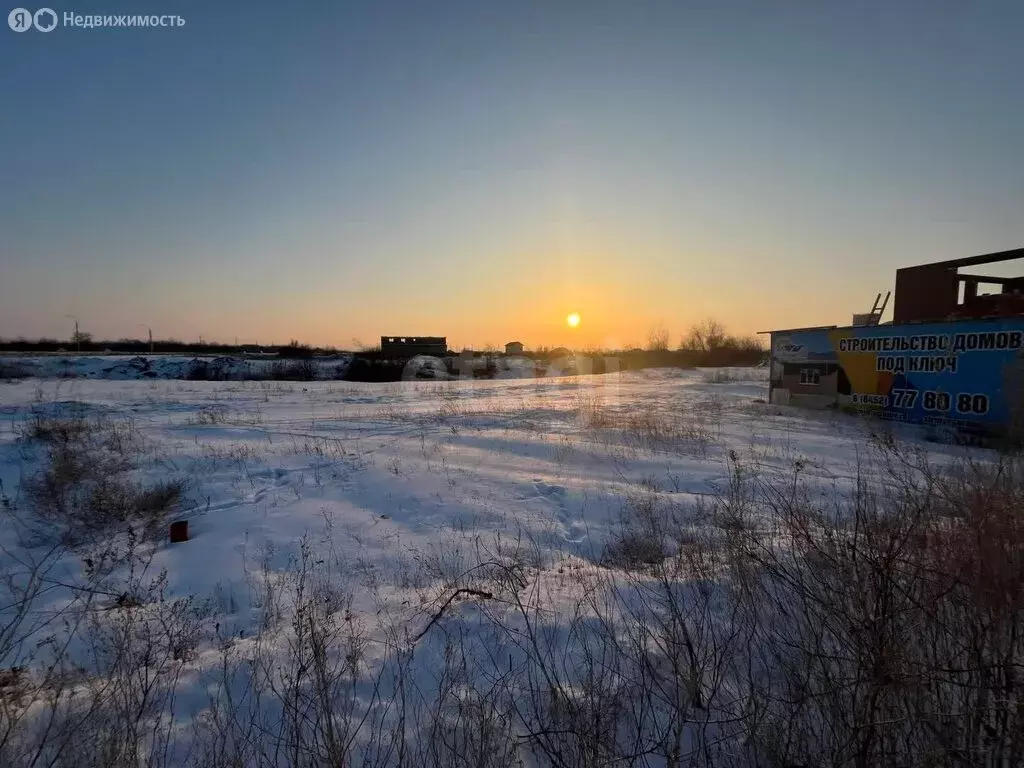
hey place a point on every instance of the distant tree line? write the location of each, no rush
(713, 346)
(84, 342)
(706, 344)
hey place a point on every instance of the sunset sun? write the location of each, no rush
(573, 319)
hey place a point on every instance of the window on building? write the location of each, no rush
(810, 376)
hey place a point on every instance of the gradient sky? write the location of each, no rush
(337, 170)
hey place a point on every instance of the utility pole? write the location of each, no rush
(150, 337)
(78, 339)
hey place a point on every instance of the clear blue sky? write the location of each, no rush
(331, 170)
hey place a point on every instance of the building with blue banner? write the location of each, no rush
(953, 357)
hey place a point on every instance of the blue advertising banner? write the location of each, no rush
(965, 374)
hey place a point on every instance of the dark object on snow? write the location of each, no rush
(179, 531)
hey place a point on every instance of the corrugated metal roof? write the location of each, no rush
(809, 328)
(890, 324)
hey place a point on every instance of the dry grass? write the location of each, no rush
(735, 376)
(84, 486)
(11, 371)
(684, 430)
(767, 625)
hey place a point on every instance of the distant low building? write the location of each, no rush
(410, 346)
(514, 348)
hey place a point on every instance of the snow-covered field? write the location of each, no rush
(412, 461)
(384, 501)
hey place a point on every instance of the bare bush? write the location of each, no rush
(883, 629)
(467, 724)
(888, 630)
(657, 338)
(705, 336)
